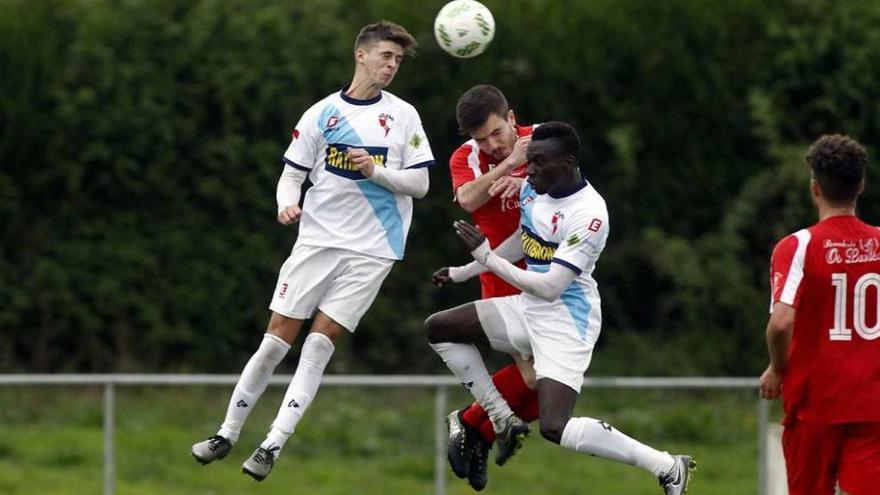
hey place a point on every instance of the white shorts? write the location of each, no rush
(561, 352)
(340, 283)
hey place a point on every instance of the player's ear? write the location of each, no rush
(815, 190)
(511, 117)
(359, 54)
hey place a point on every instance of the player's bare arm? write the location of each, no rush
(779, 330)
(474, 194)
(506, 187)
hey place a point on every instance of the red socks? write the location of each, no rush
(522, 400)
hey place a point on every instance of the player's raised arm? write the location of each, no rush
(410, 182)
(548, 285)
(412, 178)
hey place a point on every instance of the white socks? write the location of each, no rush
(466, 364)
(251, 384)
(595, 437)
(316, 353)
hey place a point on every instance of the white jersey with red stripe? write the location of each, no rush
(343, 209)
(830, 274)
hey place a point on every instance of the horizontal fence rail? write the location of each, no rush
(441, 383)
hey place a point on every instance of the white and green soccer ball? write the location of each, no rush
(464, 28)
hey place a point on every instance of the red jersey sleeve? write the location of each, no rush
(787, 269)
(460, 167)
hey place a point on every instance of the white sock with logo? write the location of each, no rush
(467, 365)
(252, 383)
(316, 353)
(595, 437)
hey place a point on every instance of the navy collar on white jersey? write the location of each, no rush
(569, 192)
(355, 101)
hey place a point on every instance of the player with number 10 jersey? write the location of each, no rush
(824, 333)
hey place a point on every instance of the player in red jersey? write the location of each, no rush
(823, 333)
(487, 172)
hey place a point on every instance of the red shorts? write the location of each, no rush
(492, 285)
(818, 456)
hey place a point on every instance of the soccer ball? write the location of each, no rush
(464, 28)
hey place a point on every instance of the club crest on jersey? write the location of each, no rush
(384, 120)
(777, 282)
(537, 250)
(336, 160)
(554, 221)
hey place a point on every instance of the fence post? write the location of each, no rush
(109, 416)
(763, 424)
(440, 440)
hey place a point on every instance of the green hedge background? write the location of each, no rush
(141, 142)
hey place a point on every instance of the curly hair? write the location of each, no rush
(838, 164)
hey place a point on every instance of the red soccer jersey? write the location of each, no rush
(497, 219)
(830, 274)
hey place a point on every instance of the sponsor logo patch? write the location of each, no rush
(537, 250)
(337, 161)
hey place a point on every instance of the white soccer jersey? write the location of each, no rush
(343, 209)
(570, 230)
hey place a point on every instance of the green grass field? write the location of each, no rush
(352, 441)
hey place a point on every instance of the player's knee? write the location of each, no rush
(434, 327)
(552, 430)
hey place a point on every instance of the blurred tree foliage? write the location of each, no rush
(141, 139)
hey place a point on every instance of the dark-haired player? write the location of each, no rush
(823, 333)
(487, 172)
(556, 319)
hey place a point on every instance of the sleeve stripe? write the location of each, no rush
(293, 164)
(567, 265)
(429, 163)
(474, 159)
(796, 271)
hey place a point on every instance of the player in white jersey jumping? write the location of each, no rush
(367, 155)
(556, 319)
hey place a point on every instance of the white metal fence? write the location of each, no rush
(440, 384)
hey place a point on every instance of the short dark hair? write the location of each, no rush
(838, 164)
(386, 31)
(477, 104)
(565, 133)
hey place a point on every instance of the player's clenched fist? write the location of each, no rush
(362, 161)
(771, 384)
(518, 154)
(441, 277)
(289, 215)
